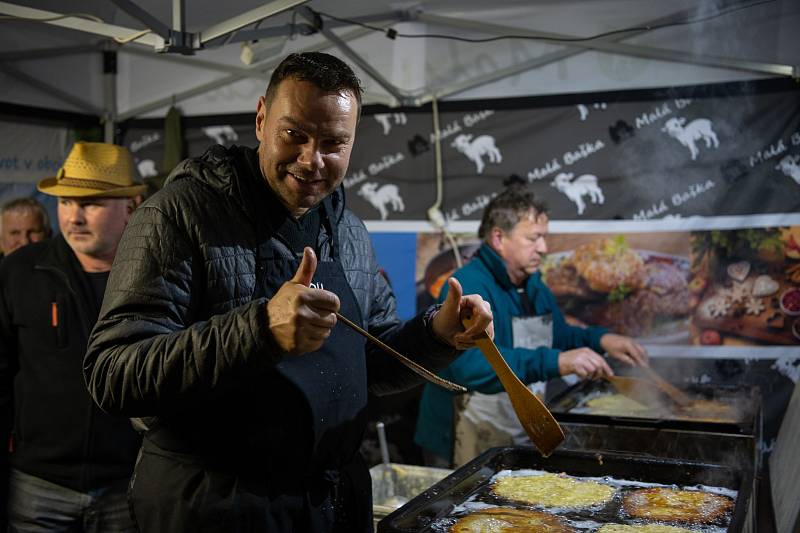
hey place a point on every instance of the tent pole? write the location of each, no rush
(110, 95)
(178, 15)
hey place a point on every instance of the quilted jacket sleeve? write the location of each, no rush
(413, 338)
(148, 354)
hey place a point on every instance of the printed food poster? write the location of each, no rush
(635, 284)
(745, 286)
(720, 287)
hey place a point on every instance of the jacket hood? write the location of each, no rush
(219, 167)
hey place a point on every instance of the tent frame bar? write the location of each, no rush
(50, 90)
(233, 24)
(82, 24)
(155, 25)
(647, 52)
(256, 70)
(540, 61)
(342, 45)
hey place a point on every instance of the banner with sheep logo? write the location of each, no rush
(680, 152)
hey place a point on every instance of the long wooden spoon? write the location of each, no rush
(416, 367)
(536, 419)
(675, 394)
(638, 389)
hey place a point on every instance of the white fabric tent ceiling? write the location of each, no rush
(44, 65)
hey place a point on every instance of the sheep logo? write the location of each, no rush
(386, 120)
(475, 150)
(698, 129)
(380, 198)
(221, 134)
(577, 189)
(147, 168)
(790, 166)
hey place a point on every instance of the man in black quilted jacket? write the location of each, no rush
(218, 326)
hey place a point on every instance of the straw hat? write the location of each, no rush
(94, 170)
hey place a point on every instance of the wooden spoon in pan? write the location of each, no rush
(536, 419)
(638, 389)
(675, 394)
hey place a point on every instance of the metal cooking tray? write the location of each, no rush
(440, 500)
(746, 399)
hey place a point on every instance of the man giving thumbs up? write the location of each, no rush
(218, 326)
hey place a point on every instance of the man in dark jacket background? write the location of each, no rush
(70, 462)
(218, 325)
(23, 221)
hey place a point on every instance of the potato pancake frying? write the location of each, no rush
(616, 404)
(502, 519)
(552, 490)
(676, 505)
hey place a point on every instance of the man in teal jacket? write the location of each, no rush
(530, 332)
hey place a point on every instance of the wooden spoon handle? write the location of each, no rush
(416, 367)
(675, 394)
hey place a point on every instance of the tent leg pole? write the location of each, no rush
(110, 95)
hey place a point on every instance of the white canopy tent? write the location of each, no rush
(51, 51)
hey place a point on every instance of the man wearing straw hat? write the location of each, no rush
(70, 462)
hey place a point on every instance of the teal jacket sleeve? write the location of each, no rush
(472, 370)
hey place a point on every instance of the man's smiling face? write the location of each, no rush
(305, 138)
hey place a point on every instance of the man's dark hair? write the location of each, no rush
(327, 72)
(29, 205)
(509, 207)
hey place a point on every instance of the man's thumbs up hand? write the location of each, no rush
(448, 321)
(305, 272)
(301, 318)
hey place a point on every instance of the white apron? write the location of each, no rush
(486, 420)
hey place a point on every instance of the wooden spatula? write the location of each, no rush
(536, 419)
(675, 394)
(638, 389)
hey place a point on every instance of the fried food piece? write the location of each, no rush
(606, 264)
(552, 490)
(502, 519)
(642, 528)
(617, 405)
(666, 504)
